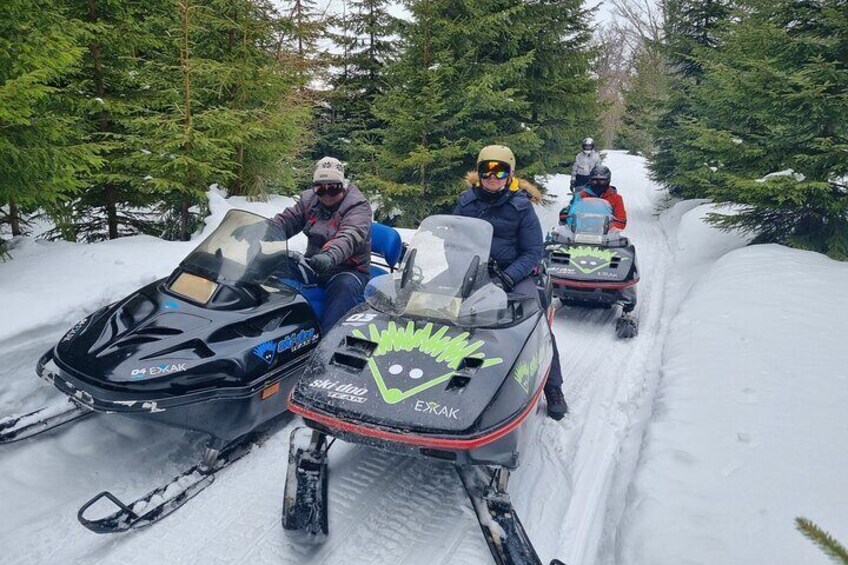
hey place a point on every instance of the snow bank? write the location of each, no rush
(57, 283)
(749, 421)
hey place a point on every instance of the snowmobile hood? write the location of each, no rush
(591, 263)
(155, 341)
(419, 376)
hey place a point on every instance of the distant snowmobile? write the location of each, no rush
(215, 347)
(592, 265)
(439, 363)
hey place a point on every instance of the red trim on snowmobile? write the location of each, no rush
(586, 284)
(419, 440)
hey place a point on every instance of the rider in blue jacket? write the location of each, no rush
(506, 202)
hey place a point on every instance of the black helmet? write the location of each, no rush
(599, 179)
(588, 144)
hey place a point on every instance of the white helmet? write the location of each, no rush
(588, 144)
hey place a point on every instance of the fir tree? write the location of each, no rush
(558, 84)
(110, 92)
(689, 25)
(644, 101)
(471, 74)
(773, 99)
(184, 141)
(40, 136)
(347, 127)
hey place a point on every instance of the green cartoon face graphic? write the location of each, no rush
(589, 259)
(440, 349)
(524, 370)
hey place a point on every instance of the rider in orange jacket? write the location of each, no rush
(599, 187)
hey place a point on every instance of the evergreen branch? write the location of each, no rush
(832, 548)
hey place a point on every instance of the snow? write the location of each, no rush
(786, 173)
(698, 441)
(746, 426)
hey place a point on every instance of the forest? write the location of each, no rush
(117, 116)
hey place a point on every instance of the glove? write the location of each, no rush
(572, 185)
(321, 263)
(508, 283)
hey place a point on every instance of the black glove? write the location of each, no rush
(321, 263)
(508, 283)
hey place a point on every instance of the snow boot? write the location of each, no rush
(557, 407)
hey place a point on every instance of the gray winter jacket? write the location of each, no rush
(344, 231)
(583, 164)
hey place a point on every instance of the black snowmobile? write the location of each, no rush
(440, 363)
(593, 266)
(215, 347)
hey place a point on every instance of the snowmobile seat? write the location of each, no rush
(386, 244)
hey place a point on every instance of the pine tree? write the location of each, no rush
(43, 154)
(559, 88)
(689, 25)
(184, 141)
(773, 99)
(644, 101)
(348, 128)
(110, 91)
(471, 74)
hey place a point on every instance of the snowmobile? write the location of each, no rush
(215, 347)
(439, 363)
(593, 266)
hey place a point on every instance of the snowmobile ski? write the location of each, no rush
(163, 500)
(16, 428)
(305, 496)
(501, 527)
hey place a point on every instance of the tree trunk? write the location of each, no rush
(14, 217)
(185, 63)
(109, 196)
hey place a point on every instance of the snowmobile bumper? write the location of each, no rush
(496, 446)
(225, 414)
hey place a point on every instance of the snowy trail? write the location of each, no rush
(569, 492)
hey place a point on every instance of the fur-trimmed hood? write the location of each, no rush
(533, 192)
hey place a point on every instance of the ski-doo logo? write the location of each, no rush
(436, 409)
(72, 333)
(298, 340)
(447, 351)
(267, 351)
(342, 391)
(158, 371)
(170, 305)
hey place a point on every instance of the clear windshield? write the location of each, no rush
(590, 216)
(444, 275)
(244, 248)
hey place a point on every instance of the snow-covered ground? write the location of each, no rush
(699, 441)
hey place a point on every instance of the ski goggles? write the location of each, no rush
(327, 189)
(496, 169)
(489, 169)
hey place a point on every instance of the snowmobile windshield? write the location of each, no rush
(444, 276)
(245, 248)
(589, 219)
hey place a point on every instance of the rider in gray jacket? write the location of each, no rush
(336, 219)
(584, 162)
